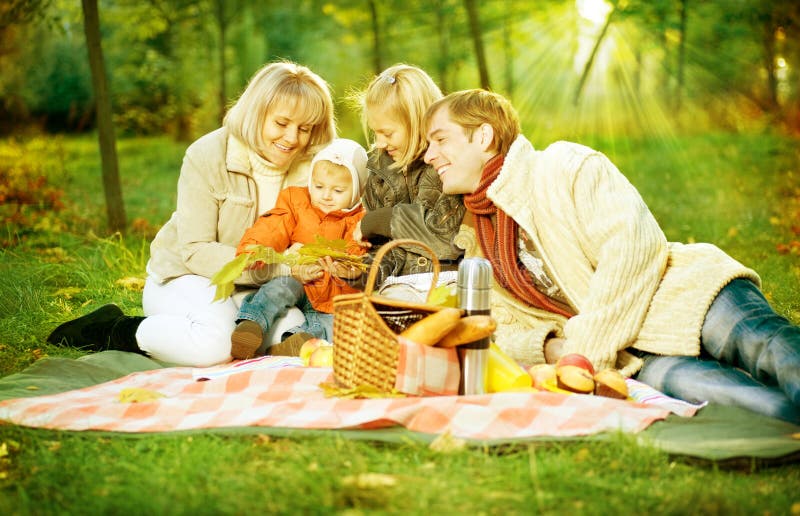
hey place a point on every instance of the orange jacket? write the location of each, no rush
(294, 219)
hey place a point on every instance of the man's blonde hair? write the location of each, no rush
(277, 83)
(405, 91)
(472, 108)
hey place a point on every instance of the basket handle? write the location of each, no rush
(385, 248)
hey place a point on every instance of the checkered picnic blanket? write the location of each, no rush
(291, 397)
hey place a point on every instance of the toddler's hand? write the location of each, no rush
(306, 273)
(339, 269)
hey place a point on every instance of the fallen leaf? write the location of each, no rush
(67, 292)
(446, 443)
(137, 395)
(131, 283)
(370, 480)
(360, 392)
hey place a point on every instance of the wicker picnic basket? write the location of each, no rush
(365, 328)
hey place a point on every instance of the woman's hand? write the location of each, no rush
(307, 273)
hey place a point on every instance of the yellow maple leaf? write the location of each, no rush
(131, 283)
(138, 395)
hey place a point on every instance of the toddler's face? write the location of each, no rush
(390, 133)
(331, 187)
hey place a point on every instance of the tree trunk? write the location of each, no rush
(589, 62)
(115, 208)
(477, 39)
(377, 51)
(508, 20)
(770, 26)
(443, 37)
(223, 66)
(684, 5)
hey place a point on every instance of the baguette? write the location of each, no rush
(430, 330)
(469, 329)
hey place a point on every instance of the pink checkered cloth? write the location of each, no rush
(290, 397)
(426, 370)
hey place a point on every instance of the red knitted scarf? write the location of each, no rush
(500, 246)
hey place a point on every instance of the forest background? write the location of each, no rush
(572, 68)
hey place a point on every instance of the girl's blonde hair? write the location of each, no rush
(276, 83)
(405, 91)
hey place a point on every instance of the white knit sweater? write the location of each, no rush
(605, 250)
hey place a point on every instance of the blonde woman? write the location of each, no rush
(403, 196)
(229, 177)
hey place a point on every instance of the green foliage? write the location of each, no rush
(28, 198)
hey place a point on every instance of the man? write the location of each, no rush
(581, 266)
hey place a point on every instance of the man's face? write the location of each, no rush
(458, 159)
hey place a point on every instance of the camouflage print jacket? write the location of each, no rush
(409, 204)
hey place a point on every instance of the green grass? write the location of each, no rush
(740, 192)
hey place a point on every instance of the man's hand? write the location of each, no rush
(306, 273)
(554, 349)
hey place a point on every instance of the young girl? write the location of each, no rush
(403, 196)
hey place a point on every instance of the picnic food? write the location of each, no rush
(309, 347)
(578, 360)
(430, 329)
(611, 384)
(543, 375)
(469, 329)
(322, 356)
(574, 379)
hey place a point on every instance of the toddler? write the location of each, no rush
(329, 207)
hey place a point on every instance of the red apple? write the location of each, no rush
(576, 359)
(574, 379)
(611, 384)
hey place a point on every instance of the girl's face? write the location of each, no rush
(331, 187)
(285, 134)
(391, 134)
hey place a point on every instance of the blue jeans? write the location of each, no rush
(750, 357)
(274, 298)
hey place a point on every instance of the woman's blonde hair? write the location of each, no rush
(472, 108)
(276, 83)
(405, 91)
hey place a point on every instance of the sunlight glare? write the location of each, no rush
(595, 11)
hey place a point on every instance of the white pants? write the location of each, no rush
(184, 327)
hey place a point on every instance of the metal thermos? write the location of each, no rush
(474, 288)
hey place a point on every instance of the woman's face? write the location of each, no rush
(285, 134)
(390, 133)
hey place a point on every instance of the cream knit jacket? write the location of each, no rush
(217, 201)
(605, 250)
